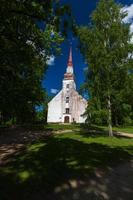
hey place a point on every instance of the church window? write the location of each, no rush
(67, 99)
(67, 110)
(67, 85)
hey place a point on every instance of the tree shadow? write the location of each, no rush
(92, 131)
(63, 168)
(23, 134)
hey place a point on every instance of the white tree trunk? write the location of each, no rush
(109, 117)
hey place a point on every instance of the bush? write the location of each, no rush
(98, 117)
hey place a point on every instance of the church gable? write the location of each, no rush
(54, 109)
(56, 98)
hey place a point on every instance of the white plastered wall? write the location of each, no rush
(55, 109)
(78, 107)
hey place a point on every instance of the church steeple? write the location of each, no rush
(70, 63)
(69, 75)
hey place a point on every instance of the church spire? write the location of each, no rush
(70, 62)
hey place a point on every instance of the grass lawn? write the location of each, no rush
(57, 127)
(47, 166)
(127, 129)
(124, 129)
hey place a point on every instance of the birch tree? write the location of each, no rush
(105, 44)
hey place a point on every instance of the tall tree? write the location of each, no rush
(29, 35)
(106, 46)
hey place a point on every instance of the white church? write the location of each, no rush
(67, 106)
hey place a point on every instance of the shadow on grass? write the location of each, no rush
(92, 131)
(95, 131)
(62, 169)
(24, 134)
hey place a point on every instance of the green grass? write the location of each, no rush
(54, 161)
(124, 129)
(127, 129)
(57, 127)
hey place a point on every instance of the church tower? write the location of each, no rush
(68, 87)
(68, 80)
(67, 106)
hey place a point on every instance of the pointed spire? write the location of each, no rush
(69, 69)
(70, 62)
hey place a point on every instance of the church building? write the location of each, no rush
(67, 106)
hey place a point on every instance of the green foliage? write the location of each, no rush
(99, 117)
(106, 45)
(41, 112)
(24, 51)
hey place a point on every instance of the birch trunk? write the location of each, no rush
(110, 117)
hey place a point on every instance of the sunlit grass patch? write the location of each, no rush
(35, 147)
(24, 175)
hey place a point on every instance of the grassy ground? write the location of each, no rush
(60, 127)
(55, 127)
(127, 129)
(46, 168)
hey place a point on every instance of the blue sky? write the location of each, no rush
(57, 67)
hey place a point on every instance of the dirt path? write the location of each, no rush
(129, 135)
(13, 141)
(113, 184)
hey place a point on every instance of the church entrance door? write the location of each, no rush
(66, 119)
